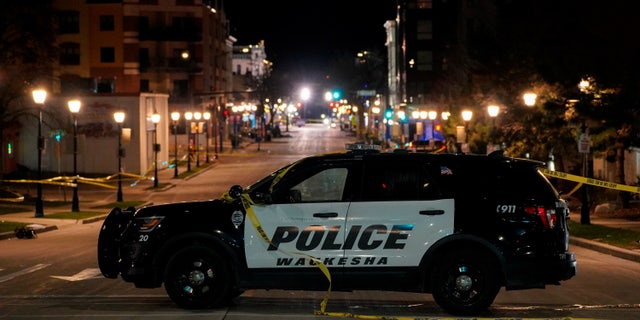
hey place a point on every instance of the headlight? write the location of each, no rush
(148, 224)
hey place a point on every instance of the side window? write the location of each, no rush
(397, 180)
(316, 182)
(326, 185)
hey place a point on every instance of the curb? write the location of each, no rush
(606, 249)
(10, 235)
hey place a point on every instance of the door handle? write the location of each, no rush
(325, 215)
(431, 212)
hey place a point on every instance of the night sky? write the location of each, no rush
(307, 35)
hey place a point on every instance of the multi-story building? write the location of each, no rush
(178, 47)
(250, 68)
(143, 57)
(426, 49)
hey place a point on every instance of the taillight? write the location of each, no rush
(547, 215)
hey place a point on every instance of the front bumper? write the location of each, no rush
(109, 241)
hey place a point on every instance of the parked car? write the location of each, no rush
(457, 226)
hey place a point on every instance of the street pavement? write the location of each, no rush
(142, 192)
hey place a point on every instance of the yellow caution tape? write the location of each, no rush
(590, 181)
(280, 175)
(248, 203)
(68, 181)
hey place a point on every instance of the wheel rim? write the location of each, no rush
(196, 279)
(464, 283)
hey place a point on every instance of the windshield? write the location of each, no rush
(264, 184)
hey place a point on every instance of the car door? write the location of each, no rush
(305, 220)
(399, 215)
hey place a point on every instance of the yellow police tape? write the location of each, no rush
(68, 181)
(248, 203)
(590, 181)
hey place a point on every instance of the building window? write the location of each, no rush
(69, 22)
(144, 61)
(424, 30)
(180, 88)
(144, 85)
(107, 54)
(425, 4)
(424, 60)
(69, 54)
(107, 23)
(106, 86)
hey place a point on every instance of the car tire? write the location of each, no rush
(197, 277)
(465, 282)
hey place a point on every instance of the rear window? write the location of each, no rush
(397, 178)
(481, 179)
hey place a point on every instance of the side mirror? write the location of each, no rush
(260, 197)
(235, 191)
(295, 196)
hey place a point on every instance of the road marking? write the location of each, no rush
(86, 274)
(23, 272)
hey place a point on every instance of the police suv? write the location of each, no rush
(457, 226)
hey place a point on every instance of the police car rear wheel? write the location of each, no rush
(197, 277)
(465, 282)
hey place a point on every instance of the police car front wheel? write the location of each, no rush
(465, 282)
(197, 277)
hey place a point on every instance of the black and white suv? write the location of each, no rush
(457, 226)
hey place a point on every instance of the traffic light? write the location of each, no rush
(225, 113)
(388, 114)
(336, 94)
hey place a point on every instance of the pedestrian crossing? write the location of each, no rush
(22, 272)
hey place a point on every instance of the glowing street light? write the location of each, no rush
(39, 96)
(175, 116)
(188, 116)
(119, 118)
(206, 116)
(155, 118)
(466, 116)
(530, 99)
(74, 107)
(493, 111)
(197, 116)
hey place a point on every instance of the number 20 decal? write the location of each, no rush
(506, 208)
(143, 238)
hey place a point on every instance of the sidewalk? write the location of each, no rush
(90, 200)
(633, 255)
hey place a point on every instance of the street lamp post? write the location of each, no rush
(466, 116)
(119, 118)
(463, 131)
(493, 111)
(207, 116)
(197, 116)
(155, 118)
(188, 116)
(74, 107)
(39, 96)
(175, 116)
